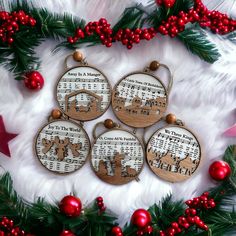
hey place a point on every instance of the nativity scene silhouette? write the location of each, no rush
(83, 112)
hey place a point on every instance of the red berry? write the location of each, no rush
(169, 3)
(100, 204)
(116, 230)
(99, 199)
(129, 46)
(70, 40)
(67, 233)
(10, 40)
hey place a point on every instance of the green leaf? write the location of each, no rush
(131, 18)
(196, 41)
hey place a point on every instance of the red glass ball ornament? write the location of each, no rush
(70, 206)
(33, 80)
(219, 170)
(141, 218)
(67, 233)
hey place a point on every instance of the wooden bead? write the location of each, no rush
(154, 65)
(171, 119)
(56, 114)
(78, 56)
(109, 124)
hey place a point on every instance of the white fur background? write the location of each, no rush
(203, 96)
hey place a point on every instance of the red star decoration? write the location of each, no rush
(5, 138)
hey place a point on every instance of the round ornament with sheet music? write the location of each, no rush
(62, 146)
(83, 92)
(140, 98)
(117, 156)
(173, 153)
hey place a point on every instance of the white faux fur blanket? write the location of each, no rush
(203, 96)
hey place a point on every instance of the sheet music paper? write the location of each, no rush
(117, 147)
(71, 158)
(83, 93)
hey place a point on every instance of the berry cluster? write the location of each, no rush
(116, 231)
(101, 28)
(190, 217)
(7, 228)
(147, 230)
(100, 204)
(128, 37)
(202, 202)
(218, 22)
(10, 24)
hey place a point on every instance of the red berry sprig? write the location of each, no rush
(10, 23)
(100, 204)
(7, 228)
(129, 37)
(101, 28)
(190, 217)
(216, 21)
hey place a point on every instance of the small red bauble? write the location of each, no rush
(168, 3)
(70, 206)
(219, 170)
(33, 80)
(141, 218)
(67, 233)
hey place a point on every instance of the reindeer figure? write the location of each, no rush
(47, 145)
(61, 151)
(75, 148)
(168, 161)
(187, 165)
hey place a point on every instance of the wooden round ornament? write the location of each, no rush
(62, 146)
(117, 156)
(83, 93)
(139, 99)
(173, 153)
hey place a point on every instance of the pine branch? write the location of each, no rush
(131, 18)
(231, 36)
(161, 13)
(11, 204)
(195, 39)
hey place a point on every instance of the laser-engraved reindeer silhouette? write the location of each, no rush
(187, 164)
(61, 150)
(47, 145)
(75, 148)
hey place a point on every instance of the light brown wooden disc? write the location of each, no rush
(117, 156)
(83, 93)
(62, 146)
(139, 99)
(173, 153)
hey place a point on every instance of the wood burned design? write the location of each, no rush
(62, 146)
(117, 157)
(83, 93)
(139, 100)
(173, 153)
